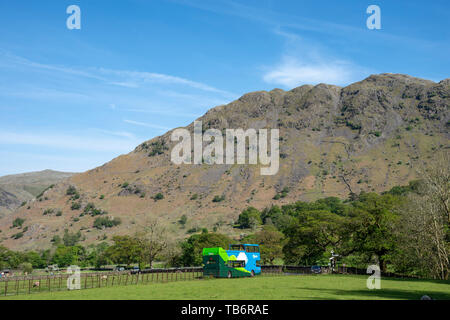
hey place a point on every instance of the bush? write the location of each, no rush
(93, 211)
(75, 206)
(183, 220)
(48, 211)
(158, 196)
(71, 191)
(17, 236)
(158, 147)
(194, 196)
(218, 198)
(18, 222)
(106, 222)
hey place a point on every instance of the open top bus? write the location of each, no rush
(241, 260)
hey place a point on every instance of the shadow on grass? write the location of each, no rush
(384, 293)
(447, 282)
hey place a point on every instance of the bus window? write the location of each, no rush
(237, 247)
(236, 264)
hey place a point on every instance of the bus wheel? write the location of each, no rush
(253, 273)
(229, 274)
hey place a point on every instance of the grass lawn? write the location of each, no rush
(265, 288)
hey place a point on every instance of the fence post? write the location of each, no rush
(6, 287)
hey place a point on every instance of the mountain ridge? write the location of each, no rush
(368, 136)
(17, 188)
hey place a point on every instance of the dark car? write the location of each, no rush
(316, 269)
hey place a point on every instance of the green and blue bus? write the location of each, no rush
(241, 260)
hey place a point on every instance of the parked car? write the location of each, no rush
(316, 269)
(119, 268)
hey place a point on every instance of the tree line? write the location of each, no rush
(404, 230)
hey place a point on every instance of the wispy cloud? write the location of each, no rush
(123, 78)
(148, 125)
(60, 141)
(305, 62)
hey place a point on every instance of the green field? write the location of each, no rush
(266, 288)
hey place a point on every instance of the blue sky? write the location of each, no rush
(72, 100)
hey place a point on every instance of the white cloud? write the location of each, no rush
(292, 72)
(307, 62)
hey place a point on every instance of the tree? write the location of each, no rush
(125, 250)
(68, 255)
(372, 216)
(35, 259)
(249, 218)
(270, 241)
(98, 256)
(26, 267)
(71, 239)
(423, 230)
(152, 240)
(312, 234)
(193, 246)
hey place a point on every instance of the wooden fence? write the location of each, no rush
(19, 285)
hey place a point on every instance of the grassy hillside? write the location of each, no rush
(368, 136)
(17, 188)
(265, 288)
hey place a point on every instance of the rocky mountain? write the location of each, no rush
(18, 188)
(368, 136)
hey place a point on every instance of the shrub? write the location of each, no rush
(18, 222)
(48, 211)
(183, 220)
(71, 191)
(158, 196)
(93, 211)
(106, 222)
(75, 206)
(17, 235)
(194, 196)
(218, 198)
(158, 147)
